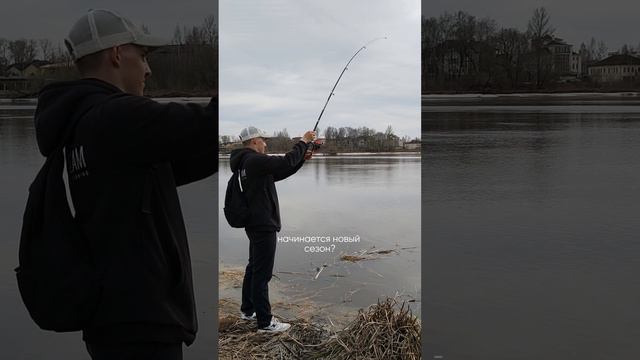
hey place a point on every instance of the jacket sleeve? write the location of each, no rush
(145, 131)
(281, 175)
(280, 166)
(198, 166)
(195, 168)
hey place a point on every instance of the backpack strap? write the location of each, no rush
(68, 134)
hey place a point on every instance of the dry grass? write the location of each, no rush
(352, 258)
(383, 331)
(386, 330)
(371, 254)
(231, 277)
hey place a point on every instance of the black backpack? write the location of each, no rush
(236, 206)
(56, 278)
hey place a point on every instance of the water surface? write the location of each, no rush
(373, 197)
(530, 231)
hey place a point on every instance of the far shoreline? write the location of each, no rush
(560, 95)
(166, 97)
(531, 99)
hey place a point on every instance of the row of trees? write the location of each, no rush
(188, 66)
(343, 139)
(348, 139)
(463, 52)
(205, 34)
(27, 50)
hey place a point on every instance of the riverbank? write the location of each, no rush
(386, 329)
(204, 99)
(369, 155)
(538, 98)
(29, 96)
(519, 95)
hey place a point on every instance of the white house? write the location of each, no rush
(616, 68)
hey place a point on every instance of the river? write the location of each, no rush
(370, 205)
(530, 231)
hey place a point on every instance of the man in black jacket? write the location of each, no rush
(258, 173)
(125, 159)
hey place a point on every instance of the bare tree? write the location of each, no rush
(389, 131)
(511, 47)
(177, 36)
(465, 30)
(209, 30)
(193, 36)
(602, 51)
(625, 49)
(540, 29)
(46, 49)
(22, 51)
(4, 54)
(593, 49)
(432, 35)
(485, 29)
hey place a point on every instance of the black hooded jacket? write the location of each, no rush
(259, 172)
(125, 159)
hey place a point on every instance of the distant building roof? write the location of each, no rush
(24, 65)
(557, 41)
(619, 59)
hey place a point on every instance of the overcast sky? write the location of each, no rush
(36, 19)
(280, 58)
(616, 22)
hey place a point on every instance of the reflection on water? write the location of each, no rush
(530, 243)
(373, 197)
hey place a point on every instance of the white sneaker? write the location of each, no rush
(275, 326)
(244, 316)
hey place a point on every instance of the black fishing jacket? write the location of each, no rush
(126, 158)
(259, 172)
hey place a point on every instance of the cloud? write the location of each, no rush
(278, 62)
(49, 19)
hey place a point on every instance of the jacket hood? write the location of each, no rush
(57, 103)
(236, 157)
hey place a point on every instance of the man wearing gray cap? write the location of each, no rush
(125, 157)
(258, 174)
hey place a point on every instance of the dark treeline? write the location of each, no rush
(189, 66)
(336, 140)
(362, 139)
(27, 50)
(463, 53)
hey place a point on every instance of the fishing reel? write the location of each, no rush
(311, 147)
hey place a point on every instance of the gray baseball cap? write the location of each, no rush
(102, 29)
(251, 132)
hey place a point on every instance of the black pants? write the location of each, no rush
(255, 286)
(135, 351)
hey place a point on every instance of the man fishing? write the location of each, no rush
(125, 158)
(258, 173)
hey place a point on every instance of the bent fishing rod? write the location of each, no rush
(340, 77)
